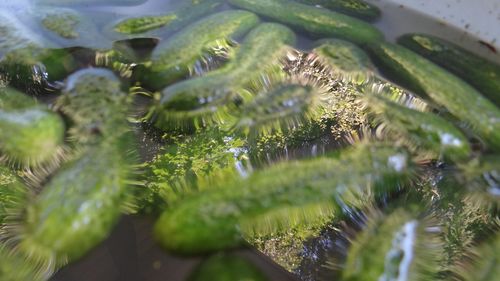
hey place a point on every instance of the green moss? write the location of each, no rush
(463, 221)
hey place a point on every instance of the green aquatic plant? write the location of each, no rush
(463, 221)
(30, 134)
(286, 246)
(190, 165)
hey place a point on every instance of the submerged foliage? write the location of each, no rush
(190, 164)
